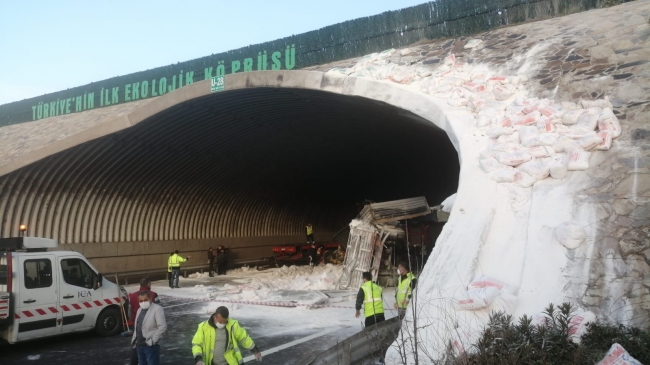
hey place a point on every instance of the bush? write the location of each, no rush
(506, 343)
(634, 340)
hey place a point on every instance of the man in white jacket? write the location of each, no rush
(149, 327)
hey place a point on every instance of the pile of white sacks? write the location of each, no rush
(531, 138)
(296, 285)
(321, 277)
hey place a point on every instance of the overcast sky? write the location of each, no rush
(47, 46)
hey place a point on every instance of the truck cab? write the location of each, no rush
(47, 293)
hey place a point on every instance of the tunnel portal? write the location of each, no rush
(245, 168)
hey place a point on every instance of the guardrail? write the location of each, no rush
(370, 342)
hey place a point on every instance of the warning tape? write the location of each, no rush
(47, 311)
(250, 302)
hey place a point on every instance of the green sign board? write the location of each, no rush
(218, 83)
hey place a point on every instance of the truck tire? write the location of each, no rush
(109, 322)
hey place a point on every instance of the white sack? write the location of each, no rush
(578, 160)
(504, 147)
(617, 355)
(578, 325)
(448, 203)
(606, 136)
(558, 169)
(523, 179)
(482, 281)
(527, 133)
(546, 125)
(570, 235)
(503, 175)
(566, 144)
(510, 139)
(491, 164)
(483, 121)
(600, 103)
(513, 158)
(548, 111)
(587, 122)
(607, 121)
(475, 298)
(496, 132)
(547, 139)
(476, 104)
(537, 169)
(570, 117)
(590, 141)
(458, 102)
(475, 87)
(528, 119)
(503, 122)
(503, 92)
(568, 105)
(541, 151)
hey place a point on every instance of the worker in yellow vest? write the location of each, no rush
(169, 270)
(405, 284)
(218, 341)
(310, 233)
(370, 296)
(174, 264)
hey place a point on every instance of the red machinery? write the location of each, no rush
(299, 254)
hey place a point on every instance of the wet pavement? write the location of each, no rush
(182, 320)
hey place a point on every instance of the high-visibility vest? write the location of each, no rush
(372, 302)
(203, 342)
(310, 230)
(175, 260)
(404, 291)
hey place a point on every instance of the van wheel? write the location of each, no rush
(109, 322)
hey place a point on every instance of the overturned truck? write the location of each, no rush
(369, 231)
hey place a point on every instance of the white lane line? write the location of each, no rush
(277, 348)
(292, 343)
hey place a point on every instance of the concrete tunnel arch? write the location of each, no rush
(246, 167)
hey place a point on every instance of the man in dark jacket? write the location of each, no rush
(211, 257)
(313, 255)
(145, 284)
(222, 261)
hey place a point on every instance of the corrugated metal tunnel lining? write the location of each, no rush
(253, 162)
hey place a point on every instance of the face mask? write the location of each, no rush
(398, 273)
(220, 326)
(145, 305)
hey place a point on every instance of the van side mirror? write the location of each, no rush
(98, 281)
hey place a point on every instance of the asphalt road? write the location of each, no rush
(182, 319)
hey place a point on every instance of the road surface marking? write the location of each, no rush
(293, 343)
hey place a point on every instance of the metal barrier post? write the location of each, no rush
(347, 353)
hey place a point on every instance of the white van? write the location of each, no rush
(47, 293)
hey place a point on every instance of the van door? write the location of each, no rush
(36, 308)
(78, 306)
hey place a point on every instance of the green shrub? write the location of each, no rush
(634, 340)
(504, 342)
